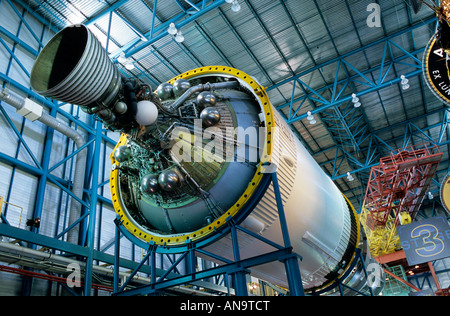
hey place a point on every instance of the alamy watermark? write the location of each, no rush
(374, 275)
(374, 18)
(74, 278)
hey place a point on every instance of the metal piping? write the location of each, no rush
(200, 88)
(78, 178)
(51, 262)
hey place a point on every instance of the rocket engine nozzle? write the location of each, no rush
(73, 67)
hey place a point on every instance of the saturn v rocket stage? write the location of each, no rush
(194, 152)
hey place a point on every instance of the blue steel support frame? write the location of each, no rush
(346, 125)
(356, 145)
(240, 276)
(238, 268)
(93, 208)
(38, 170)
(291, 263)
(180, 20)
(342, 64)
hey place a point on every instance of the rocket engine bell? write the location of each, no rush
(192, 155)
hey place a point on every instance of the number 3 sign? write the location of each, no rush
(425, 240)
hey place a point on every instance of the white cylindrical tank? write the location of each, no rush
(322, 226)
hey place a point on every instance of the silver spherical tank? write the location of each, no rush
(122, 153)
(120, 107)
(150, 184)
(210, 116)
(180, 86)
(206, 99)
(169, 180)
(165, 91)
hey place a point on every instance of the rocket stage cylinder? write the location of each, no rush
(220, 169)
(197, 160)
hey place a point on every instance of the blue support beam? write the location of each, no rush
(38, 17)
(180, 20)
(411, 130)
(21, 16)
(219, 270)
(240, 273)
(42, 169)
(238, 268)
(352, 53)
(66, 247)
(42, 184)
(116, 260)
(108, 10)
(93, 208)
(355, 141)
(326, 104)
(351, 132)
(291, 262)
(18, 41)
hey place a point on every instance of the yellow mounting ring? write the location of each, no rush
(180, 239)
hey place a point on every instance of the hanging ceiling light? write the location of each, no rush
(355, 101)
(311, 119)
(129, 65)
(126, 62)
(172, 30)
(405, 85)
(179, 37)
(349, 177)
(122, 59)
(235, 7)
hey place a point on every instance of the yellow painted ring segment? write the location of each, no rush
(358, 231)
(445, 193)
(181, 239)
(355, 216)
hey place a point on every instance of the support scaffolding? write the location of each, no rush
(400, 183)
(396, 189)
